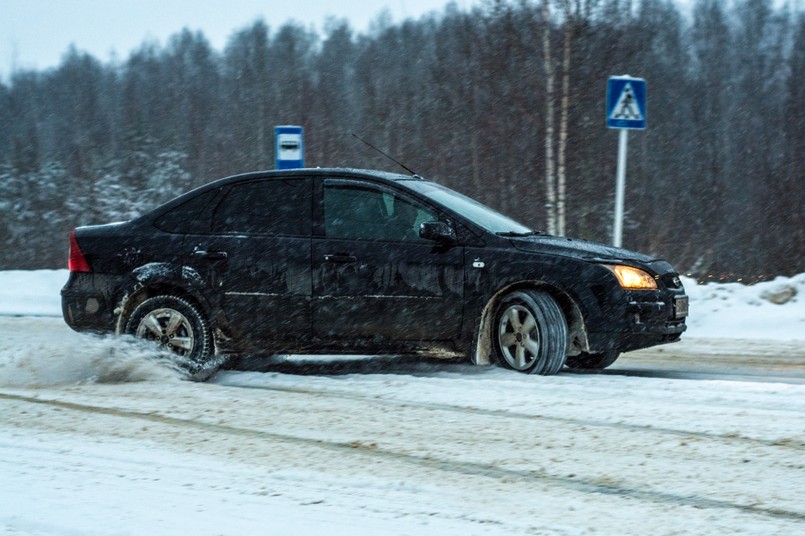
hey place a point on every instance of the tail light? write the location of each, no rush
(77, 262)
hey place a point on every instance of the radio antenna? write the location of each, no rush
(406, 168)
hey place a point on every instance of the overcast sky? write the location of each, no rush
(34, 34)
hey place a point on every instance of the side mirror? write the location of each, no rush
(438, 231)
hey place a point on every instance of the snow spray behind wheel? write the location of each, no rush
(83, 359)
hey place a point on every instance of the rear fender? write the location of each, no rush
(158, 278)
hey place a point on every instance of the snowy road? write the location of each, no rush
(96, 438)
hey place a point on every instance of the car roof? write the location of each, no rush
(323, 173)
(318, 172)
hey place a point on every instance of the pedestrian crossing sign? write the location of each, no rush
(626, 102)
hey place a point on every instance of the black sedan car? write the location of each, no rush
(351, 261)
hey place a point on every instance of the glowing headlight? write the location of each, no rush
(632, 278)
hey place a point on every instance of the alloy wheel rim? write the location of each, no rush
(518, 337)
(169, 328)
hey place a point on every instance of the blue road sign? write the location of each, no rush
(289, 151)
(626, 102)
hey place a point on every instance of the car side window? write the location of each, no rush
(265, 207)
(188, 217)
(366, 213)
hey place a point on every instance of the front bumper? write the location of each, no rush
(642, 319)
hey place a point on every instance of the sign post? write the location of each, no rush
(626, 110)
(288, 147)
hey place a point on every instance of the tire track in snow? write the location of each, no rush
(396, 402)
(705, 375)
(452, 466)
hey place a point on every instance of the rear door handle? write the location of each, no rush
(211, 255)
(340, 258)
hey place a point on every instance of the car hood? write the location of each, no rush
(578, 249)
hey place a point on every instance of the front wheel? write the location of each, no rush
(531, 333)
(179, 327)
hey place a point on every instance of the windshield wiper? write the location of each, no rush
(515, 233)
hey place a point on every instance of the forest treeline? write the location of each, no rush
(504, 102)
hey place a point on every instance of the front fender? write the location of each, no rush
(575, 279)
(571, 282)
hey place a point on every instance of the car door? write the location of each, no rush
(374, 278)
(256, 257)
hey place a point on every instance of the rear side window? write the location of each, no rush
(265, 207)
(189, 217)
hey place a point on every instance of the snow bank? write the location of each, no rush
(769, 310)
(31, 292)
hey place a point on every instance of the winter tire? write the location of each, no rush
(530, 333)
(180, 328)
(591, 361)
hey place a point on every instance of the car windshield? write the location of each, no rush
(491, 220)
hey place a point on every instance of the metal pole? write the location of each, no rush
(620, 187)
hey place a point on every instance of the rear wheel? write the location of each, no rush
(531, 333)
(179, 327)
(592, 361)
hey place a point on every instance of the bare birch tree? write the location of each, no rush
(550, 174)
(561, 176)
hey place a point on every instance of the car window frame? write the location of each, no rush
(226, 190)
(318, 216)
(160, 214)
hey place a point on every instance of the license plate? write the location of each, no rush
(681, 307)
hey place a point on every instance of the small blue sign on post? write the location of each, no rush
(289, 151)
(626, 102)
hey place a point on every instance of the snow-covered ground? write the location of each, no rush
(99, 436)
